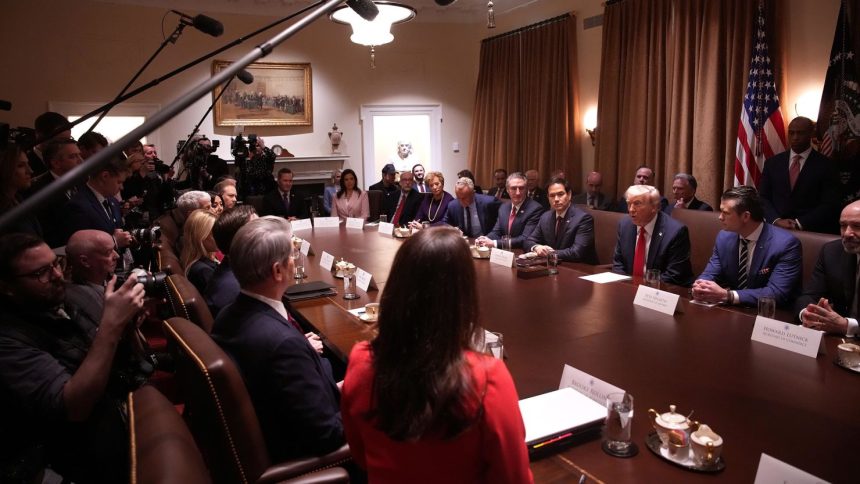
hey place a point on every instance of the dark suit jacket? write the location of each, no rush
(504, 195)
(696, 204)
(36, 163)
(291, 387)
(486, 206)
(51, 217)
(814, 202)
(775, 270)
(201, 272)
(273, 204)
(410, 207)
(539, 195)
(669, 251)
(576, 244)
(222, 289)
(603, 202)
(834, 278)
(525, 221)
(85, 212)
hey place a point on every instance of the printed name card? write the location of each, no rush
(363, 279)
(355, 223)
(326, 222)
(326, 261)
(501, 257)
(301, 224)
(594, 388)
(797, 339)
(662, 301)
(386, 228)
(774, 470)
(306, 248)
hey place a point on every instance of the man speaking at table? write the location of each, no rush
(564, 229)
(751, 259)
(517, 218)
(650, 239)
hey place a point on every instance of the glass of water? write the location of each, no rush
(505, 242)
(552, 262)
(767, 307)
(495, 345)
(298, 265)
(619, 423)
(652, 278)
(383, 218)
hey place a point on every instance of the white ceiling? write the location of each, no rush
(461, 11)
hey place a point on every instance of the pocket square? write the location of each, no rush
(764, 271)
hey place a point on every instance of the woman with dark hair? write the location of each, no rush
(419, 404)
(350, 201)
(15, 177)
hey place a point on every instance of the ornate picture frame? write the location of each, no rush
(281, 95)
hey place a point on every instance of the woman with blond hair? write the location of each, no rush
(198, 248)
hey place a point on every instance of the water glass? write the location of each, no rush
(552, 262)
(505, 242)
(652, 278)
(383, 218)
(619, 423)
(767, 307)
(496, 345)
(298, 265)
(349, 285)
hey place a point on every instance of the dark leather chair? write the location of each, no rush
(222, 418)
(166, 261)
(374, 202)
(162, 449)
(186, 302)
(605, 232)
(811, 242)
(171, 228)
(255, 201)
(703, 227)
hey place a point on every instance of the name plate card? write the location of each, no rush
(797, 339)
(594, 388)
(326, 261)
(662, 301)
(355, 223)
(306, 248)
(502, 257)
(386, 228)
(774, 470)
(363, 279)
(326, 222)
(301, 224)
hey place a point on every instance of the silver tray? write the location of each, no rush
(684, 458)
(838, 361)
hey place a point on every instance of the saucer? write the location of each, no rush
(839, 362)
(367, 319)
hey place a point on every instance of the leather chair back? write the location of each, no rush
(186, 302)
(374, 202)
(605, 232)
(257, 202)
(218, 408)
(166, 261)
(703, 227)
(170, 229)
(811, 243)
(162, 449)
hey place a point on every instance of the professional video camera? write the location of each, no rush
(23, 137)
(241, 149)
(197, 157)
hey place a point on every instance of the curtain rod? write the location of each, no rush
(528, 27)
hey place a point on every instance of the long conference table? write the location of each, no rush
(760, 399)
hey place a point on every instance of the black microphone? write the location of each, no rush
(445, 2)
(364, 8)
(5, 105)
(207, 25)
(245, 76)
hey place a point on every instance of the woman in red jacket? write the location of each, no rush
(419, 404)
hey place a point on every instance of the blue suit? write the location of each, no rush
(486, 206)
(814, 201)
(775, 270)
(84, 212)
(574, 244)
(291, 387)
(525, 221)
(669, 251)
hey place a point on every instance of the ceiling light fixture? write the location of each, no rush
(377, 32)
(491, 15)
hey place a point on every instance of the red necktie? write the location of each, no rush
(511, 218)
(399, 210)
(794, 170)
(639, 257)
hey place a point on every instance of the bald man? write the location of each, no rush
(829, 299)
(92, 261)
(594, 196)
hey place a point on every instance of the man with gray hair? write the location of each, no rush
(684, 188)
(193, 200)
(649, 239)
(291, 387)
(473, 213)
(517, 218)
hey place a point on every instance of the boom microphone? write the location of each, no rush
(364, 8)
(445, 3)
(245, 76)
(207, 25)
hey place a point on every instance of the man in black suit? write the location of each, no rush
(418, 178)
(829, 300)
(650, 239)
(593, 196)
(283, 201)
(48, 126)
(684, 188)
(473, 213)
(517, 218)
(402, 205)
(291, 387)
(61, 155)
(498, 192)
(95, 206)
(644, 176)
(534, 190)
(800, 187)
(565, 230)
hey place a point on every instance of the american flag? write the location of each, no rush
(761, 130)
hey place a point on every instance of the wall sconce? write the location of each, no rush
(377, 32)
(491, 15)
(590, 122)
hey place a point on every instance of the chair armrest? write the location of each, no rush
(297, 467)
(333, 475)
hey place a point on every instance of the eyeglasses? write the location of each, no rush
(44, 274)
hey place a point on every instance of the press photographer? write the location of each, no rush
(255, 163)
(202, 166)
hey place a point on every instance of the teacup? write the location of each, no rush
(849, 353)
(706, 444)
(371, 311)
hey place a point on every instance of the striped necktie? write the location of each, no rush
(743, 260)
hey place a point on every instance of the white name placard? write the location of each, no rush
(326, 261)
(501, 257)
(774, 470)
(655, 299)
(326, 222)
(355, 223)
(301, 224)
(592, 387)
(797, 339)
(363, 279)
(386, 228)
(306, 247)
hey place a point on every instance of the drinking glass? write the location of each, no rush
(383, 218)
(619, 422)
(552, 262)
(298, 265)
(349, 285)
(767, 307)
(652, 278)
(496, 347)
(505, 242)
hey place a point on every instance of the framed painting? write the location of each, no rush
(280, 95)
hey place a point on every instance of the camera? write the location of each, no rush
(240, 148)
(195, 147)
(23, 137)
(147, 236)
(152, 283)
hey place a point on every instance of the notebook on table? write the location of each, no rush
(309, 290)
(558, 417)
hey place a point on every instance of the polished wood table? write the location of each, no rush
(801, 410)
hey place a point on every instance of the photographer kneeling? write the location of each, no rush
(64, 405)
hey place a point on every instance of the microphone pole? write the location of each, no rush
(79, 173)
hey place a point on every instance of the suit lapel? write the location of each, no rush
(656, 241)
(760, 251)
